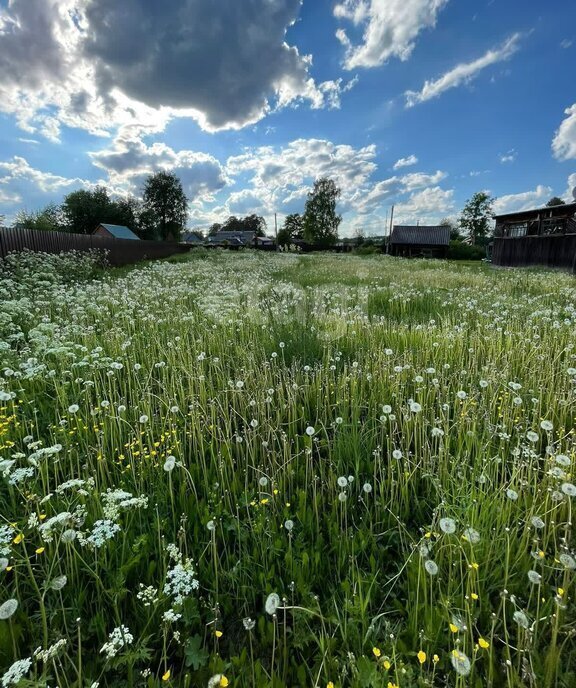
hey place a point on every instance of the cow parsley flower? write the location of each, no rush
(117, 639)
(16, 672)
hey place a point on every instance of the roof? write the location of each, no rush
(119, 231)
(232, 237)
(553, 210)
(422, 234)
(192, 238)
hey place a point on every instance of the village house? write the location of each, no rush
(422, 241)
(115, 232)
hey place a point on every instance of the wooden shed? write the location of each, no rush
(543, 236)
(425, 241)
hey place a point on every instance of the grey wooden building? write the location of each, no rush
(424, 241)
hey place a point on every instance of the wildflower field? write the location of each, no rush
(286, 471)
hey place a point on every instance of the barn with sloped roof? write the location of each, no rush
(423, 241)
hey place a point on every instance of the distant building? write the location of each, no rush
(193, 238)
(115, 232)
(240, 239)
(543, 236)
(411, 241)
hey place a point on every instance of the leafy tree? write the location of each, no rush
(476, 216)
(454, 231)
(83, 210)
(214, 229)
(49, 218)
(554, 201)
(233, 224)
(293, 228)
(321, 221)
(254, 223)
(165, 206)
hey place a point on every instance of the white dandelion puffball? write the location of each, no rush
(460, 662)
(272, 603)
(511, 494)
(537, 522)
(562, 460)
(143, 418)
(532, 436)
(367, 488)
(448, 525)
(461, 395)
(169, 463)
(415, 407)
(211, 526)
(263, 481)
(8, 608)
(310, 431)
(567, 560)
(386, 409)
(342, 481)
(431, 567)
(59, 582)
(73, 408)
(289, 525)
(473, 536)
(534, 577)
(397, 454)
(569, 489)
(547, 425)
(521, 619)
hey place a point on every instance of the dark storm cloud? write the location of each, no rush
(222, 58)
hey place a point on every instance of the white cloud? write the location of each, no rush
(18, 169)
(508, 157)
(523, 201)
(129, 161)
(427, 206)
(406, 162)
(390, 28)
(564, 143)
(569, 194)
(391, 190)
(99, 65)
(463, 73)
(566, 43)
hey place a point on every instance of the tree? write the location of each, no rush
(254, 223)
(165, 206)
(554, 201)
(48, 219)
(292, 229)
(83, 210)
(453, 225)
(321, 221)
(214, 229)
(476, 216)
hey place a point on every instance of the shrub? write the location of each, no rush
(458, 250)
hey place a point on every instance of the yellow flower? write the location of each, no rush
(474, 596)
(39, 550)
(428, 535)
(435, 659)
(392, 685)
(275, 492)
(421, 656)
(264, 501)
(484, 644)
(386, 664)
(329, 684)
(18, 539)
(376, 651)
(218, 634)
(453, 628)
(474, 566)
(541, 554)
(166, 676)
(560, 591)
(224, 682)
(42, 517)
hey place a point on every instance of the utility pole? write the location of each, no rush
(391, 225)
(276, 230)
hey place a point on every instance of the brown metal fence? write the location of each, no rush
(119, 251)
(556, 250)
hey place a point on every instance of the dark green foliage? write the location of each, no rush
(49, 218)
(165, 207)
(554, 201)
(293, 229)
(458, 250)
(321, 220)
(83, 210)
(476, 216)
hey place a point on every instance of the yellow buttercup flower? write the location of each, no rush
(224, 682)
(484, 644)
(376, 651)
(218, 634)
(386, 664)
(435, 659)
(39, 550)
(392, 685)
(166, 675)
(421, 656)
(560, 591)
(453, 628)
(474, 596)
(18, 539)
(329, 684)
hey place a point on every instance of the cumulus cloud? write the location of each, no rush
(522, 201)
(463, 73)
(97, 64)
(392, 189)
(390, 28)
(508, 157)
(129, 161)
(425, 206)
(564, 143)
(406, 162)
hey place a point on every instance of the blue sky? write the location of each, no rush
(416, 103)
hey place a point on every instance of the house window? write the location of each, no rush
(518, 229)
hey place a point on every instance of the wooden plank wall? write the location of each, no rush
(551, 251)
(120, 251)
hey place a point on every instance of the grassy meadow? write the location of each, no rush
(283, 471)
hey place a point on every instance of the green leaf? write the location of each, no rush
(196, 656)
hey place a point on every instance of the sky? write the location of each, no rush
(411, 103)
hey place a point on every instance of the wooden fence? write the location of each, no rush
(119, 251)
(558, 251)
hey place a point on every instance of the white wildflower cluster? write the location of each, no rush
(6, 535)
(102, 531)
(180, 580)
(117, 639)
(76, 484)
(116, 501)
(147, 594)
(51, 652)
(60, 521)
(16, 672)
(20, 475)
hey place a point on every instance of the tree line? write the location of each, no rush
(160, 214)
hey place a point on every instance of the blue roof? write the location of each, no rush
(119, 232)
